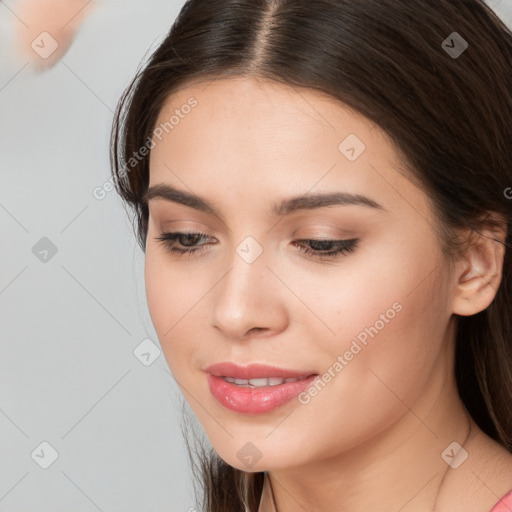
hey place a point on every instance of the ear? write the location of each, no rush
(479, 271)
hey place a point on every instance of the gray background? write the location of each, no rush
(70, 324)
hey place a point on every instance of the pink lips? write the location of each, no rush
(259, 399)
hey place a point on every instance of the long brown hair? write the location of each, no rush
(404, 65)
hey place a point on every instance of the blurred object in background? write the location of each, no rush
(47, 28)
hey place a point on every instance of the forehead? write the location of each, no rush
(243, 109)
(267, 117)
(245, 132)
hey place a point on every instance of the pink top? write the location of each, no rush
(505, 504)
(267, 503)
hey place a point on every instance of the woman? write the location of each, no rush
(322, 190)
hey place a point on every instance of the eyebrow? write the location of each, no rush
(281, 209)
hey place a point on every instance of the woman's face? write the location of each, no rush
(371, 321)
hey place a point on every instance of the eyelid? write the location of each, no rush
(343, 246)
(323, 233)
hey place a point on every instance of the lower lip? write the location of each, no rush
(255, 400)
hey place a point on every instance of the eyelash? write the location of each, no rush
(344, 246)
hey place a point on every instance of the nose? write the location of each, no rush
(250, 300)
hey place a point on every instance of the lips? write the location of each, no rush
(255, 371)
(256, 388)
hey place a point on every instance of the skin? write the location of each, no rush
(372, 438)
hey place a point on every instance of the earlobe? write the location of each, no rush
(479, 272)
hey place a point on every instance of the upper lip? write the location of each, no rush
(254, 371)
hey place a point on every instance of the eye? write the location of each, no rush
(340, 247)
(185, 239)
(321, 249)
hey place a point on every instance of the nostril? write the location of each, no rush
(257, 329)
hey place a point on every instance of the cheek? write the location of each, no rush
(363, 396)
(173, 297)
(389, 322)
(394, 294)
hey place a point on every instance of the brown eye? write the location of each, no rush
(317, 246)
(188, 239)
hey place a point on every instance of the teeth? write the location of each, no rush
(258, 383)
(274, 381)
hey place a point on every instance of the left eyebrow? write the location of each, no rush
(320, 200)
(281, 209)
